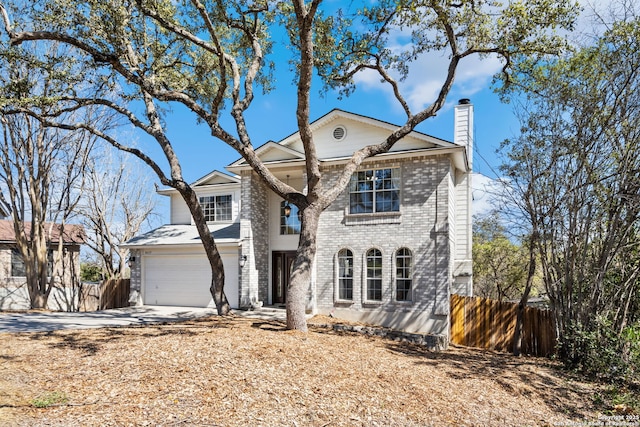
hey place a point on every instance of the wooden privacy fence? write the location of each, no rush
(114, 293)
(484, 323)
(89, 297)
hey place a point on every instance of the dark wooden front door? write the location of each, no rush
(282, 264)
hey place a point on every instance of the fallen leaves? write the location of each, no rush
(236, 371)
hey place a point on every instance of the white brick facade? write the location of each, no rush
(433, 223)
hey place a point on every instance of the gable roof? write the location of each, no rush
(337, 113)
(273, 152)
(72, 233)
(358, 131)
(216, 178)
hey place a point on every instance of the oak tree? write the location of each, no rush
(576, 168)
(211, 56)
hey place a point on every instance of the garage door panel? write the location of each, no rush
(183, 280)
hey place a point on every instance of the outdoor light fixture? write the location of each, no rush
(243, 260)
(287, 207)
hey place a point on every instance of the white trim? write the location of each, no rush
(339, 128)
(364, 297)
(216, 187)
(263, 149)
(394, 277)
(233, 178)
(336, 278)
(459, 158)
(337, 113)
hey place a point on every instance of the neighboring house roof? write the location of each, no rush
(72, 234)
(185, 235)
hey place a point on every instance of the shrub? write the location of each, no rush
(598, 350)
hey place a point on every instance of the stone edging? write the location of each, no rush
(431, 342)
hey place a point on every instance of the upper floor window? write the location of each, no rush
(374, 191)
(216, 208)
(289, 218)
(345, 274)
(374, 275)
(404, 262)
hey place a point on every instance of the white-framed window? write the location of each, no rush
(345, 275)
(404, 273)
(217, 208)
(375, 191)
(289, 219)
(374, 275)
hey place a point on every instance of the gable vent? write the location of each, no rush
(339, 132)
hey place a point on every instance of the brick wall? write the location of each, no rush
(254, 230)
(421, 226)
(135, 297)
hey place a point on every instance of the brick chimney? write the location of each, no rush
(463, 127)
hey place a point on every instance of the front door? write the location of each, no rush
(282, 264)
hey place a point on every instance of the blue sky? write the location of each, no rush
(272, 116)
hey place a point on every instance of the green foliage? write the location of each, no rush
(391, 34)
(90, 272)
(576, 170)
(598, 350)
(499, 265)
(210, 56)
(49, 399)
(618, 399)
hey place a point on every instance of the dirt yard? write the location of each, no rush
(242, 372)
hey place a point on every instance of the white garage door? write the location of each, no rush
(184, 280)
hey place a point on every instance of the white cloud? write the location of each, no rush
(426, 75)
(484, 191)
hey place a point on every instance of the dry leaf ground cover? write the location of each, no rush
(242, 372)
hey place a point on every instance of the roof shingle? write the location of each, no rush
(72, 234)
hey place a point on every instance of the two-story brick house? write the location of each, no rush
(391, 248)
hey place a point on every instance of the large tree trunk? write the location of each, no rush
(37, 284)
(32, 246)
(301, 275)
(38, 300)
(210, 248)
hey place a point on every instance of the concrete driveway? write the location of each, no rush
(51, 321)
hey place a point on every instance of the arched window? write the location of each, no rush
(404, 269)
(345, 274)
(374, 275)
